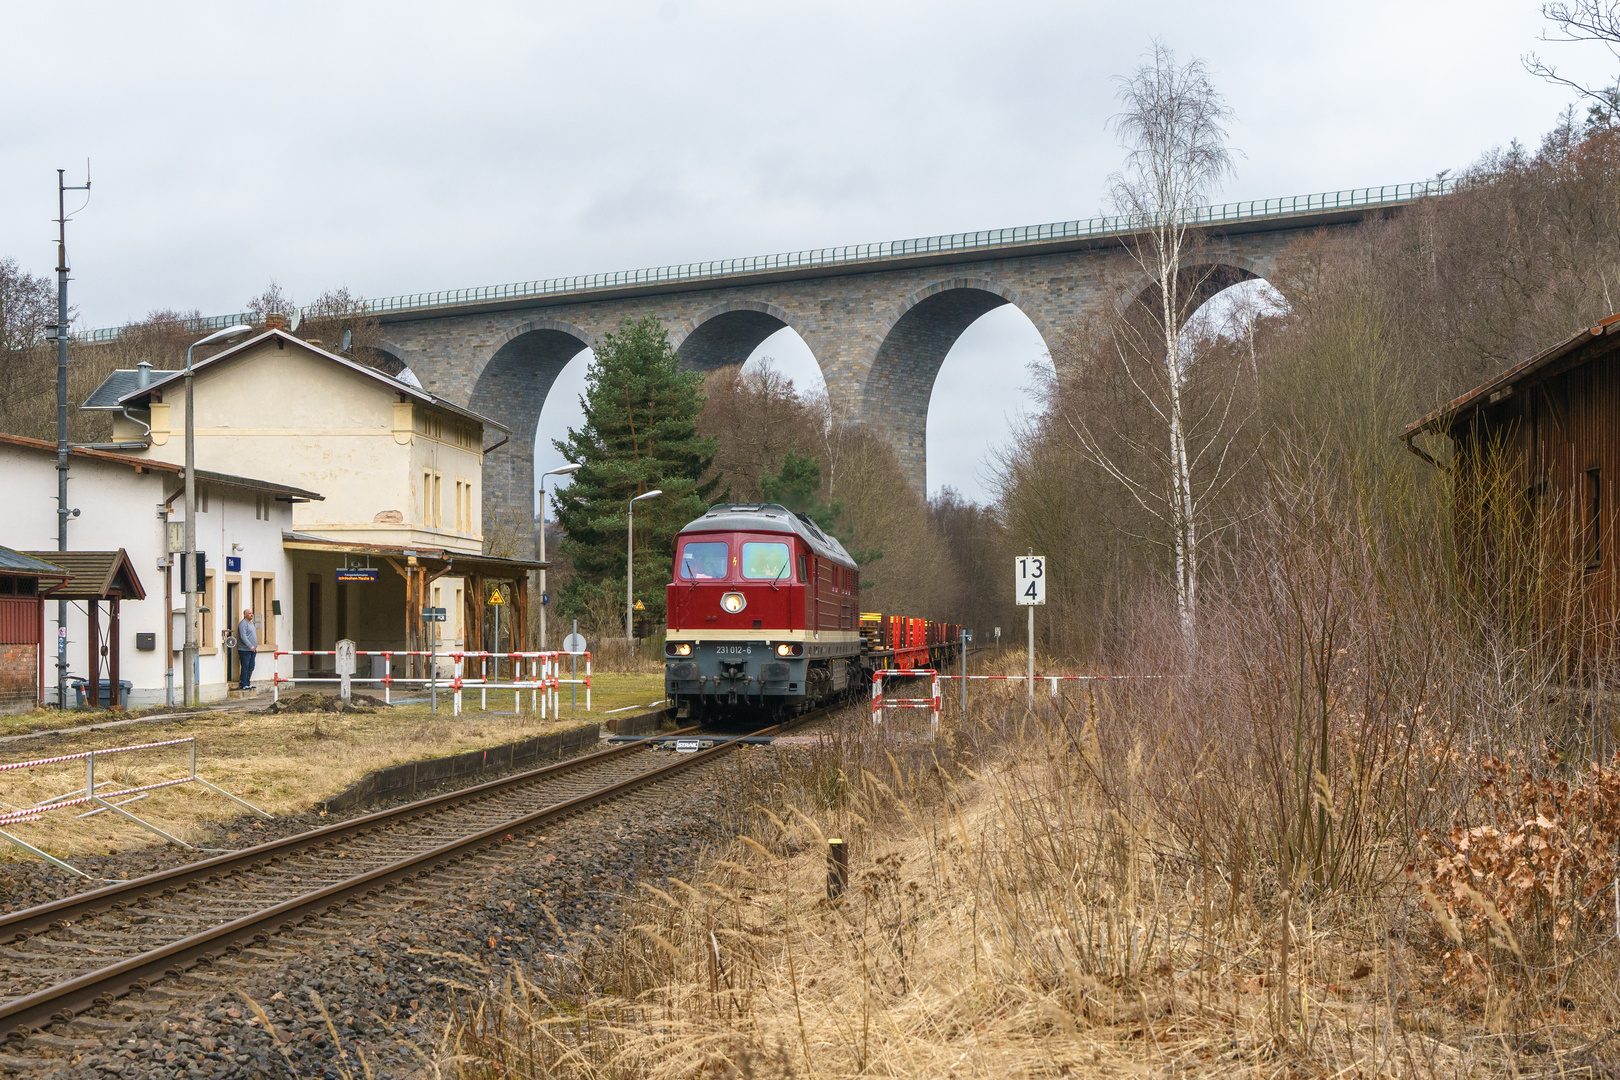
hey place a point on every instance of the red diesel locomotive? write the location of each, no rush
(765, 618)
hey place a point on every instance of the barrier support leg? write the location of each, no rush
(220, 790)
(115, 808)
(53, 860)
(233, 798)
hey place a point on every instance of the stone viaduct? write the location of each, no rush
(879, 318)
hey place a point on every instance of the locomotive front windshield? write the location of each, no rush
(767, 561)
(703, 561)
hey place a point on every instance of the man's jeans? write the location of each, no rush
(247, 657)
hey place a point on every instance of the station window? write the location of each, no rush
(704, 560)
(764, 561)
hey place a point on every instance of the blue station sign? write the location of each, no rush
(357, 573)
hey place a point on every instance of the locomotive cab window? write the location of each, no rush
(804, 571)
(704, 561)
(764, 561)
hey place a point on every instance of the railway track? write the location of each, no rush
(63, 957)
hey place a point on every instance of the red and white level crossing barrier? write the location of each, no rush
(95, 794)
(879, 702)
(540, 673)
(1051, 680)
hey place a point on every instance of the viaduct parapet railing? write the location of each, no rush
(852, 255)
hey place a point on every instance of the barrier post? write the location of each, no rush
(459, 659)
(933, 715)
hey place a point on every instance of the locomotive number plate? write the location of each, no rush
(734, 650)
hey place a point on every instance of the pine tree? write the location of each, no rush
(640, 434)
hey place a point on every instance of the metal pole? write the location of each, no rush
(542, 559)
(62, 512)
(188, 574)
(433, 668)
(573, 687)
(964, 674)
(629, 575)
(1030, 682)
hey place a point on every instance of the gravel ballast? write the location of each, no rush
(388, 970)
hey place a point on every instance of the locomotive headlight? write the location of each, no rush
(681, 649)
(733, 602)
(786, 649)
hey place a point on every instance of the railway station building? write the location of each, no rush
(399, 526)
(126, 513)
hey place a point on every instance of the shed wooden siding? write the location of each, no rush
(1564, 426)
(20, 620)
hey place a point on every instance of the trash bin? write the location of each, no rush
(124, 686)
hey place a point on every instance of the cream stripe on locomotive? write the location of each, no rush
(829, 643)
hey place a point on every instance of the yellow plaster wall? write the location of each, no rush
(297, 418)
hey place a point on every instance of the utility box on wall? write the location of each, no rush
(146, 642)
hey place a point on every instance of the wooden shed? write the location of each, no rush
(1545, 434)
(22, 654)
(98, 577)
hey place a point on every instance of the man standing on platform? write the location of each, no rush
(247, 647)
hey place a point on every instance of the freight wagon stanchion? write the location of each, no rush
(879, 702)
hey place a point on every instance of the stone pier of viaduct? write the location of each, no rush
(879, 318)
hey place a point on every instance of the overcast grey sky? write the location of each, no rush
(402, 147)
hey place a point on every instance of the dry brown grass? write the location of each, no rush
(280, 763)
(1018, 908)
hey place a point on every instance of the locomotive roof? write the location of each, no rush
(770, 517)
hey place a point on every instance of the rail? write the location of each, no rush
(855, 254)
(119, 975)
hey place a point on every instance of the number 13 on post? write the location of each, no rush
(1030, 573)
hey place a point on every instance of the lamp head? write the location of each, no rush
(646, 495)
(564, 470)
(228, 332)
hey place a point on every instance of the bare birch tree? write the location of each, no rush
(1173, 125)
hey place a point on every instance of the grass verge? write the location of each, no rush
(281, 763)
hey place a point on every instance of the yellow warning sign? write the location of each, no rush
(496, 598)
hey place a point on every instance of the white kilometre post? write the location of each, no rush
(1029, 574)
(344, 662)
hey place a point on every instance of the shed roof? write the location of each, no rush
(1567, 350)
(94, 575)
(415, 392)
(15, 562)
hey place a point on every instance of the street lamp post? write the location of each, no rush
(630, 569)
(564, 471)
(189, 673)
